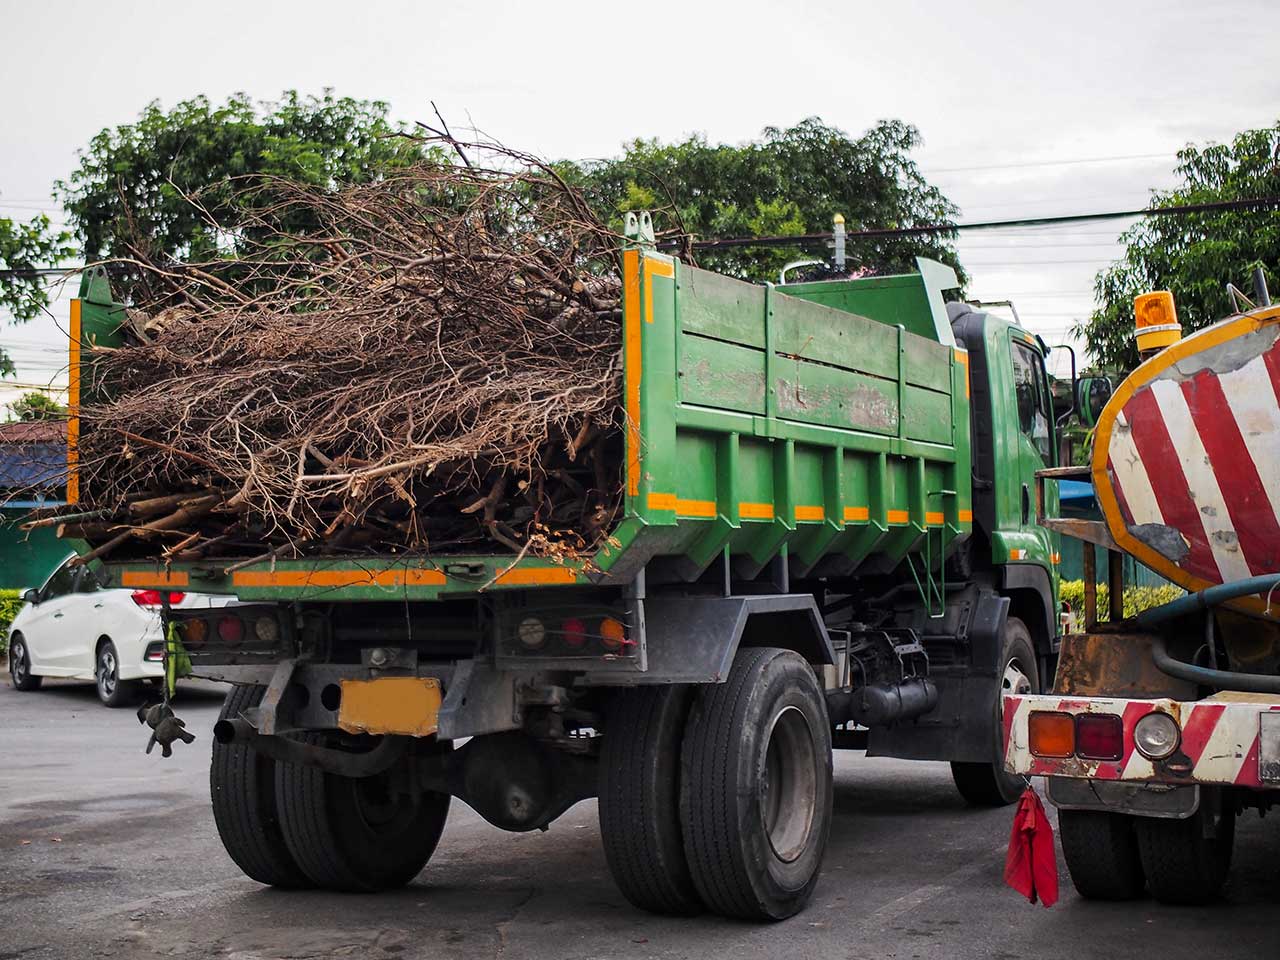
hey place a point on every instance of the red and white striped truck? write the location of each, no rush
(1161, 729)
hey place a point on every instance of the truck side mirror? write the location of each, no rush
(31, 596)
(1092, 394)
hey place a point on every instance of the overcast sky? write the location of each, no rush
(1026, 109)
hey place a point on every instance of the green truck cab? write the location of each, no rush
(827, 540)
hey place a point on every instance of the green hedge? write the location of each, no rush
(1136, 599)
(10, 604)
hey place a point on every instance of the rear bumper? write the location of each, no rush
(1225, 740)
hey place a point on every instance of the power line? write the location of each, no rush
(944, 228)
(1048, 163)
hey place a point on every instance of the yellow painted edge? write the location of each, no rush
(755, 511)
(522, 576)
(898, 516)
(806, 512)
(857, 513)
(934, 518)
(1202, 340)
(661, 501)
(632, 361)
(154, 578)
(408, 706)
(337, 578)
(73, 405)
(963, 357)
(696, 508)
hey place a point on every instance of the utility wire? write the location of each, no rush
(936, 228)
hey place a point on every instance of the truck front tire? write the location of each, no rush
(756, 786)
(640, 798)
(359, 835)
(1101, 851)
(1183, 866)
(242, 786)
(987, 784)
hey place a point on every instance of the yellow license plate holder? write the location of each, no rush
(408, 706)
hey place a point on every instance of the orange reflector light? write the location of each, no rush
(1051, 734)
(612, 633)
(194, 633)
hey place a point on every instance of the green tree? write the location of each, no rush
(1193, 255)
(37, 405)
(132, 192)
(789, 181)
(24, 249)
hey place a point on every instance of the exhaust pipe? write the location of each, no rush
(238, 731)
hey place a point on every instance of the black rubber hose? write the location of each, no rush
(1222, 679)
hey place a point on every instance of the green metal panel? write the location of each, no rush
(761, 423)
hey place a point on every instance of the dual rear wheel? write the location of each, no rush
(293, 826)
(719, 797)
(1114, 856)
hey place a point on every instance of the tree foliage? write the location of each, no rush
(131, 193)
(789, 181)
(1194, 255)
(37, 405)
(24, 249)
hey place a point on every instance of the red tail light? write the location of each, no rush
(230, 629)
(1099, 736)
(153, 598)
(575, 632)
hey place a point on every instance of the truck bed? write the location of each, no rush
(822, 424)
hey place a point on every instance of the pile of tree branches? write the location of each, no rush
(428, 362)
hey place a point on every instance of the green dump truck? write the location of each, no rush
(828, 541)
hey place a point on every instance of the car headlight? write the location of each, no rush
(1156, 735)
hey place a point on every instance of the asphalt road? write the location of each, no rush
(106, 852)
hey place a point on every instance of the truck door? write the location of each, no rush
(1036, 448)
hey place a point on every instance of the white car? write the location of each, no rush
(72, 627)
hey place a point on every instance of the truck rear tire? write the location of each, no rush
(1183, 866)
(357, 835)
(640, 799)
(755, 792)
(242, 787)
(1101, 851)
(987, 784)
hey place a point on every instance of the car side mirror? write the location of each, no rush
(1092, 394)
(31, 596)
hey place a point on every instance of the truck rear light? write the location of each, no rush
(1099, 736)
(153, 598)
(612, 633)
(574, 632)
(230, 629)
(532, 633)
(1156, 735)
(1051, 734)
(195, 633)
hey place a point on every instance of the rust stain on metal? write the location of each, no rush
(1115, 664)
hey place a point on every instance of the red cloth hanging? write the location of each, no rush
(1031, 866)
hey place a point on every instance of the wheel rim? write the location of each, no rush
(1014, 681)
(380, 809)
(107, 672)
(789, 788)
(18, 662)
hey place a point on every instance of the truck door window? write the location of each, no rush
(1033, 400)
